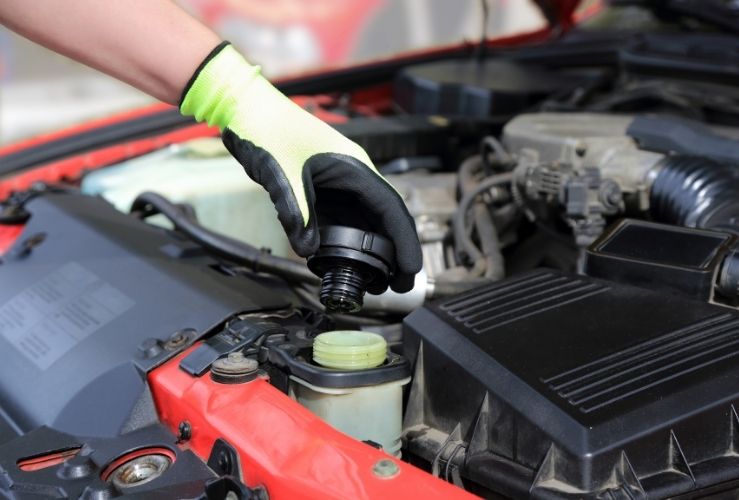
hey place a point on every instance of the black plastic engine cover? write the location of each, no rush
(88, 310)
(561, 386)
(477, 88)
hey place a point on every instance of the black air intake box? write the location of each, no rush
(558, 386)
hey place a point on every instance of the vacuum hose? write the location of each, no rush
(488, 259)
(228, 248)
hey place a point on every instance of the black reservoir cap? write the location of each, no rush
(351, 262)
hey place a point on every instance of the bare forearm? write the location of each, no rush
(151, 44)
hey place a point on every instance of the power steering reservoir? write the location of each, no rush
(369, 408)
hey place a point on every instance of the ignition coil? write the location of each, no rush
(351, 262)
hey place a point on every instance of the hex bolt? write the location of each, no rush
(180, 338)
(140, 470)
(385, 469)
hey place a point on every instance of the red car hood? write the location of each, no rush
(559, 13)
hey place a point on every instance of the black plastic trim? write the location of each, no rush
(136, 128)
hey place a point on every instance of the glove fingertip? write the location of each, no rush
(307, 239)
(407, 245)
(402, 283)
(305, 242)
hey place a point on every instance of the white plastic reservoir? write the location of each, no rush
(203, 174)
(373, 413)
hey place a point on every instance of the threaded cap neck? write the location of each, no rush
(349, 350)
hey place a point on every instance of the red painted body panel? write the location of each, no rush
(73, 167)
(8, 235)
(283, 446)
(371, 101)
(334, 24)
(84, 127)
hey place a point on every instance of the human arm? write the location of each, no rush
(311, 171)
(152, 45)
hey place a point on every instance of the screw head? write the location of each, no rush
(224, 462)
(385, 469)
(235, 368)
(235, 357)
(180, 338)
(185, 431)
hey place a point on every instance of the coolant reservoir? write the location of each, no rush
(369, 413)
(203, 174)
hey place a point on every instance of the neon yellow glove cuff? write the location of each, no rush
(218, 84)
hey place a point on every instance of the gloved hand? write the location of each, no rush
(309, 169)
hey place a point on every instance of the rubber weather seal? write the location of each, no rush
(109, 135)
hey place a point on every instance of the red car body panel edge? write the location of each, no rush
(282, 445)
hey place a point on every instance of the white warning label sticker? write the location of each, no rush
(49, 318)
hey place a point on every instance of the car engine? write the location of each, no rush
(574, 332)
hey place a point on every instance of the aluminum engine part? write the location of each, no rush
(432, 201)
(583, 195)
(585, 140)
(393, 302)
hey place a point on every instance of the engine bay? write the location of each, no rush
(573, 333)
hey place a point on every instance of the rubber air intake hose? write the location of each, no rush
(696, 192)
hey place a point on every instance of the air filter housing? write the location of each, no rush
(561, 386)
